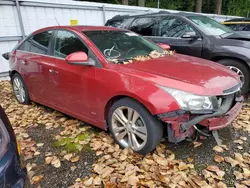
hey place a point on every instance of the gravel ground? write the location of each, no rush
(39, 128)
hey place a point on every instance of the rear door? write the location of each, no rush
(33, 64)
(171, 30)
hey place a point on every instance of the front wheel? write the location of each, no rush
(132, 126)
(241, 69)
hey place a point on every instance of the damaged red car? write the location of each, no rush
(118, 80)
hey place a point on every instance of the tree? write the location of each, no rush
(125, 2)
(141, 3)
(218, 7)
(198, 6)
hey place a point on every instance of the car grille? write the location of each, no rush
(233, 89)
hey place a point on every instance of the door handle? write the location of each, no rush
(24, 62)
(53, 71)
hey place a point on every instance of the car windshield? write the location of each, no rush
(210, 26)
(122, 45)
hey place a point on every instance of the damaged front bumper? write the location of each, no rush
(182, 124)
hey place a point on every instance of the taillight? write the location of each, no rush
(4, 139)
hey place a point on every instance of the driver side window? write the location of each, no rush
(173, 27)
(67, 43)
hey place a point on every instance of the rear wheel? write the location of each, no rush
(132, 126)
(20, 90)
(241, 69)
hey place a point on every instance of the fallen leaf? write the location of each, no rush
(88, 182)
(75, 159)
(36, 179)
(182, 166)
(221, 185)
(231, 161)
(240, 147)
(218, 158)
(97, 181)
(68, 156)
(56, 162)
(246, 173)
(243, 138)
(218, 149)
(237, 185)
(48, 160)
(39, 144)
(216, 169)
(72, 168)
(133, 180)
(238, 175)
(246, 182)
(190, 160)
(197, 144)
(238, 141)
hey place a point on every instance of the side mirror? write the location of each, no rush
(190, 35)
(79, 58)
(6, 55)
(164, 46)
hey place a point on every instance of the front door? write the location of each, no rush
(171, 30)
(70, 85)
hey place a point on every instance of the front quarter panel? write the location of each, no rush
(112, 83)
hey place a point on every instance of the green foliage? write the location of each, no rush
(229, 7)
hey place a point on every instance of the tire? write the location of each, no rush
(146, 122)
(243, 68)
(20, 92)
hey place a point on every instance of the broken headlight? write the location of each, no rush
(189, 101)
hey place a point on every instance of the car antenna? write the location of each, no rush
(56, 21)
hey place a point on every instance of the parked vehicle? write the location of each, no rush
(12, 171)
(196, 35)
(126, 84)
(238, 24)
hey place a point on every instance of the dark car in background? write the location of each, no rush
(12, 171)
(195, 35)
(238, 24)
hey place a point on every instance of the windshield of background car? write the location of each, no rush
(210, 26)
(121, 45)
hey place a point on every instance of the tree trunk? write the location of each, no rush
(198, 6)
(125, 2)
(218, 6)
(141, 3)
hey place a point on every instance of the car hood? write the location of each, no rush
(187, 73)
(237, 36)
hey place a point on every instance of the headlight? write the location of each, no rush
(188, 101)
(4, 139)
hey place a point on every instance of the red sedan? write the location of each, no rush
(118, 80)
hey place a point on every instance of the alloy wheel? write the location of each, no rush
(129, 128)
(19, 89)
(239, 72)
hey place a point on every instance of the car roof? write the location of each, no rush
(81, 28)
(153, 14)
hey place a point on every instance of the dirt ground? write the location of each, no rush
(61, 151)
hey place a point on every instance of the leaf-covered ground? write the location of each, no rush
(61, 151)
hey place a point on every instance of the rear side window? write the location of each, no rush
(143, 26)
(25, 46)
(67, 43)
(39, 43)
(173, 27)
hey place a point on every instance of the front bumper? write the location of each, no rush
(12, 172)
(180, 124)
(216, 123)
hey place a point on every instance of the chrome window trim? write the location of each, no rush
(42, 55)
